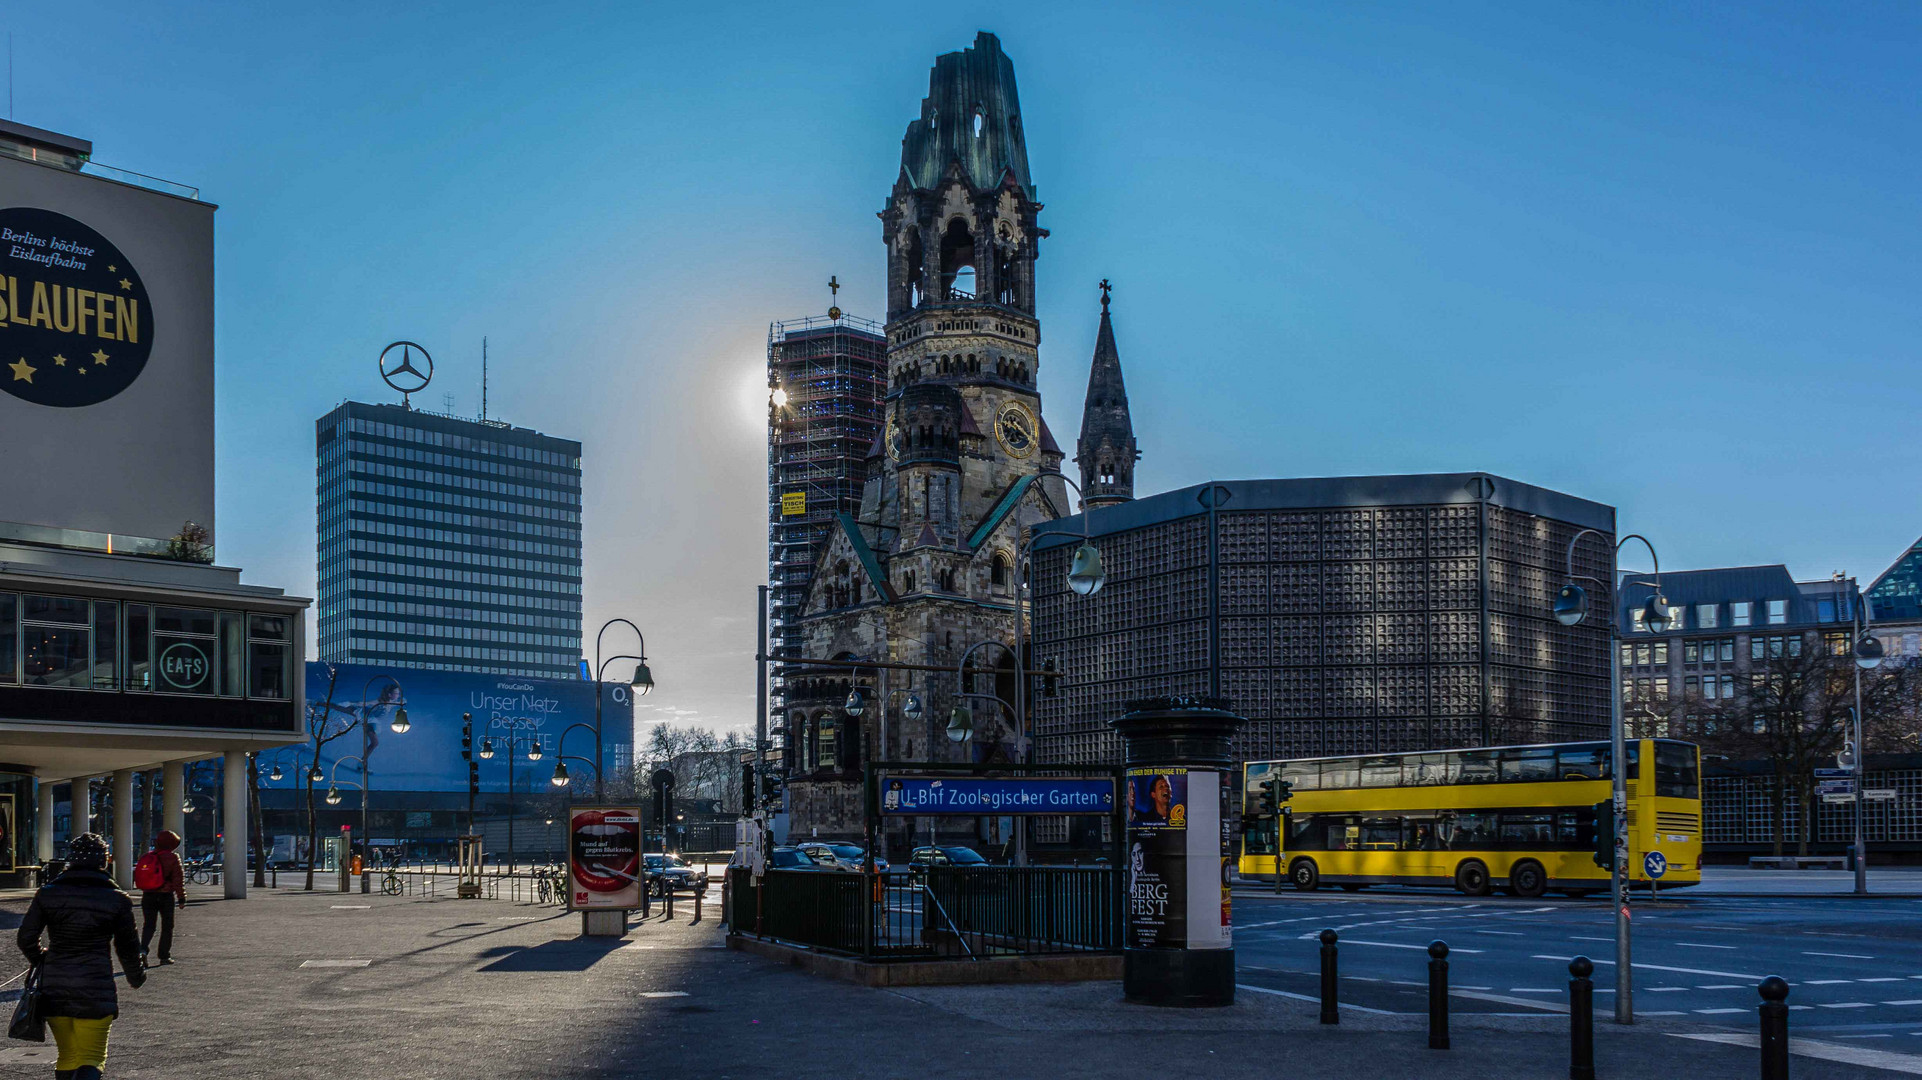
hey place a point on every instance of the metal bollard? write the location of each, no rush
(1329, 1013)
(1775, 1028)
(1581, 1019)
(1438, 995)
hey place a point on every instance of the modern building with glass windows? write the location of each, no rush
(447, 543)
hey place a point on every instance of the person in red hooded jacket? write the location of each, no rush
(160, 893)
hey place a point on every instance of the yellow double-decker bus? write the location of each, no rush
(1517, 818)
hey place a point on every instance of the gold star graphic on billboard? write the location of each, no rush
(100, 356)
(22, 371)
(59, 361)
(125, 284)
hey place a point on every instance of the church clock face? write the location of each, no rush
(1015, 429)
(896, 441)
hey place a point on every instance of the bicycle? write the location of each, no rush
(390, 883)
(551, 885)
(201, 874)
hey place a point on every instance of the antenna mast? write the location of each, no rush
(483, 377)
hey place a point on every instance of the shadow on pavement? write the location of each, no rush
(577, 954)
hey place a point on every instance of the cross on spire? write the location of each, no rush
(834, 286)
(1105, 288)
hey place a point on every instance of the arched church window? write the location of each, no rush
(998, 571)
(980, 123)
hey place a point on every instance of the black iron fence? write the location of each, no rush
(940, 912)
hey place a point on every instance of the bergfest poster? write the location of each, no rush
(604, 858)
(1177, 867)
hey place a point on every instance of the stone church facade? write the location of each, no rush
(964, 468)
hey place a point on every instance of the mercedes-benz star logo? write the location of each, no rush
(401, 372)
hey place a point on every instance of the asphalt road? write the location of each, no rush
(1854, 965)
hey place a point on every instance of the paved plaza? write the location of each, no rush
(290, 984)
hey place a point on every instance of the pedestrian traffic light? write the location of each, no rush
(1604, 853)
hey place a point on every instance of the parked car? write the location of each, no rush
(852, 857)
(792, 858)
(945, 855)
(670, 872)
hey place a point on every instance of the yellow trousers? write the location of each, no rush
(81, 1042)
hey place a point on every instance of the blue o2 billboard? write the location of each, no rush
(511, 711)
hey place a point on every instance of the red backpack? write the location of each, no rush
(147, 875)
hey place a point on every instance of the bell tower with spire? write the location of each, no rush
(1106, 450)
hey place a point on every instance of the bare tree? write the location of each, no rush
(1795, 710)
(317, 729)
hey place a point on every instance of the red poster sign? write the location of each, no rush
(603, 858)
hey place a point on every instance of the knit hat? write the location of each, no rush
(87, 851)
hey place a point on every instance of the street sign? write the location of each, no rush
(1655, 864)
(1883, 794)
(981, 795)
(1825, 788)
(1846, 797)
(1834, 774)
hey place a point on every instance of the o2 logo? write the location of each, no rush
(184, 666)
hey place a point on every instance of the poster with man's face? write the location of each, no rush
(1158, 798)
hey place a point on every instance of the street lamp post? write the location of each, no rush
(642, 682)
(333, 799)
(1868, 656)
(534, 753)
(399, 724)
(854, 706)
(1571, 608)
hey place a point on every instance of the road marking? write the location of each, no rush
(520, 918)
(352, 907)
(1612, 939)
(1664, 1012)
(1848, 1055)
(1504, 933)
(1905, 1001)
(1528, 990)
(1699, 945)
(663, 993)
(1459, 987)
(1663, 989)
(1503, 999)
(1402, 945)
(1840, 955)
(335, 963)
(1305, 997)
(1714, 1012)
(1844, 1004)
(1723, 986)
(1665, 967)
(1824, 982)
(1882, 1036)
(1881, 978)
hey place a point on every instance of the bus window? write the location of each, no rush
(1381, 834)
(1424, 835)
(1422, 770)
(1528, 830)
(1528, 765)
(1339, 774)
(1381, 772)
(1675, 776)
(1582, 763)
(1343, 837)
(1304, 832)
(1570, 833)
(1306, 776)
(1477, 767)
(1472, 830)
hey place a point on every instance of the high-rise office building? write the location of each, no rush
(447, 543)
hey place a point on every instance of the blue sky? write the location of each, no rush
(1659, 255)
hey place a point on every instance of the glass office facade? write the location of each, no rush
(447, 543)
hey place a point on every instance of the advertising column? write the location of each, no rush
(604, 866)
(1178, 937)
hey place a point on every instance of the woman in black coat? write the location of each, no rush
(86, 919)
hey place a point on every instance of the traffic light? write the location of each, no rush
(663, 780)
(1265, 804)
(1282, 791)
(747, 786)
(467, 736)
(1604, 853)
(1050, 677)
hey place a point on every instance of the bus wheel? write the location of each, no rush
(1528, 879)
(1471, 878)
(1303, 873)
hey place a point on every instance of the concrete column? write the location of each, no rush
(234, 823)
(172, 794)
(123, 847)
(43, 822)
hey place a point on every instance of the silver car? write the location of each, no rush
(842, 856)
